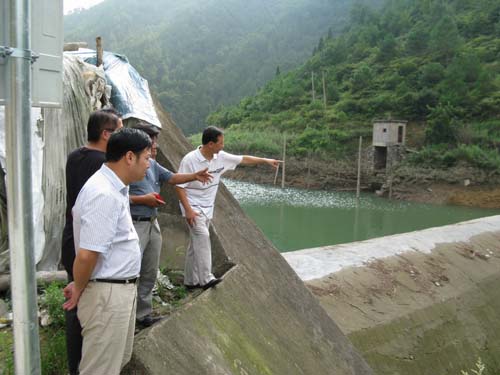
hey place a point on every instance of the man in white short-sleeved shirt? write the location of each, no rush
(197, 202)
(108, 256)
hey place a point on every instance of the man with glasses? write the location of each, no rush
(80, 165)
(144, 203)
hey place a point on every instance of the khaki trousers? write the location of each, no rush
(107, 314)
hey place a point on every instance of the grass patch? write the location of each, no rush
(52, 338)
(444, 156)
(6, 351)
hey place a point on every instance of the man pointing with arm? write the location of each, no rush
(197, 202)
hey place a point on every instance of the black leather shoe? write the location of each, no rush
(147, 321)
(211, 283)
(191, 287)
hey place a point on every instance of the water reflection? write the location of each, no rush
(296, 219)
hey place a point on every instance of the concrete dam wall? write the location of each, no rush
(425, 302)
(261, 319)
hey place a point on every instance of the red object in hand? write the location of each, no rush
(159, 197)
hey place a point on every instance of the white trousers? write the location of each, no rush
(198, 265)
(107, 314)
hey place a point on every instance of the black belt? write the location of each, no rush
(116, 281)
(143, 218)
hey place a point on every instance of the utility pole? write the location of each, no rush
(284, 162)
(99, 51)
(358, 185)
(312, 84)
(19, 197)
(324, 88)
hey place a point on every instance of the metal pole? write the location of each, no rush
(99, 51)
(276, 174)
(358, 185)
(324, 88)
(284, 163)
(312, 85)
(19, 198)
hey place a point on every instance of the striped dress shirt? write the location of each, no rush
(102, 223)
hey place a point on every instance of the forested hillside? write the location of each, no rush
(199, 54)
(435, 63)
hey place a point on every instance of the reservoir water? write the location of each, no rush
(296, 219)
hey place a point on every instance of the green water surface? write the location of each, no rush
(296, 219)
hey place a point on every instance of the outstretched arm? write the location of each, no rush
(180, 178)
(252, 160)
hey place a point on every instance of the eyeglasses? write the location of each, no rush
(110, 130)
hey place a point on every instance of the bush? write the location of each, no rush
(444, 156)
(441, 125)
(253, 142)
(53, 351)
(52, 301)
(52, 338)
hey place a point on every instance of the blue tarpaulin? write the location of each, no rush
(130, 92)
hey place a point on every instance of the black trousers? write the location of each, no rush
(73, 339)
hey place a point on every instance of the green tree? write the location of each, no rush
(431, 74)
(362, 77)
(441, 126)
(445, 39)
(417, 40)
(387, 49)
(330, 34)
(321, 44)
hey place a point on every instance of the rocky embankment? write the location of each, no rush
(459, 185)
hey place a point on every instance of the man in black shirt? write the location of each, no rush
(81, 164)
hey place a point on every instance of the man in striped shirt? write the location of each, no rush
(108, 256)
(81, 164)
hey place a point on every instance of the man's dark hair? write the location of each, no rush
(98, 122)
(126, 140)
(150, 130)
(211, 134)
(112, 111)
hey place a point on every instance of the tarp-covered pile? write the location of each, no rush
(58, 131)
